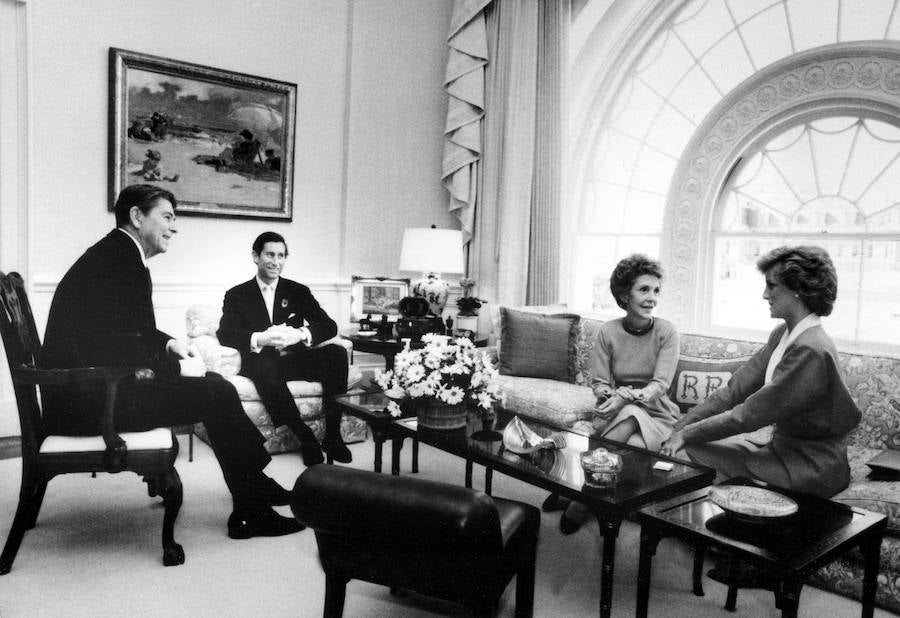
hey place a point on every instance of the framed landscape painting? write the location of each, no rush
(377, 296)
(222, 142)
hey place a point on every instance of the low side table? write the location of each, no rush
(789, 550)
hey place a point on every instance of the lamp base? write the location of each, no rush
(433, 289)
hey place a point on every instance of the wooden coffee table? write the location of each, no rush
(560, 471)
(789, 549)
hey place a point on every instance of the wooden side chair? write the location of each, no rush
(150, 454)
(413, 534)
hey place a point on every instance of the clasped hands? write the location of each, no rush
(615, 400)
(280, 336)
(673, 444)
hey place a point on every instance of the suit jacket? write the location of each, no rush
(806, 400)
(244, 313)
(101, 314)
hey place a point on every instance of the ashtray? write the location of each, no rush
(601, 468)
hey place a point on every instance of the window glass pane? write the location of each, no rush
(616, 157)
(695, 95)
(864, 19)
(745, 9)
(831, 147)
(665, 67)
(604, 210)
(879, 317)
(813, 22)
(767, 36)
(653, 171)
(644, 213)
(828, 214)
(639, 111)
(738, 285)
(701, 29)
(869, 157)
(671, 131)
(727, 63)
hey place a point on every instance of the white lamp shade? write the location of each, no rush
(430, 250)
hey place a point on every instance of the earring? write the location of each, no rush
(796, 296)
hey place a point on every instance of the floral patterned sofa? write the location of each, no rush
(874, 382)
(202, 323)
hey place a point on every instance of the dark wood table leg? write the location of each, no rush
(731, 597)
(396, 447)
(469, 473)
(609, 528)
(697, 575)
(415, 455)
(379, 451)
(488, 477)
(790, 597)
(649, 541)
(871, 550)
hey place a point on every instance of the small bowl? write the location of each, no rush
(601, 468)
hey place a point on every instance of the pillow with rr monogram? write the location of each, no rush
(697, 378)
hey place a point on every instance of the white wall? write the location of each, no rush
(368, 141)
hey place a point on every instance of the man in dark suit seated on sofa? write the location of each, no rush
(274, 323)
(102, 314)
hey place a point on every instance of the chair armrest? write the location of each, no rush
(111, 376)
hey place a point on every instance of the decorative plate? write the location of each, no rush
(753, 503)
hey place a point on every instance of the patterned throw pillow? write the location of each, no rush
(697, 378)
(534, 345)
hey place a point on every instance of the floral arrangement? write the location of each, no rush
(468, 304)
(448, 370)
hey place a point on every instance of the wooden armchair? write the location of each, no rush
(150, 454)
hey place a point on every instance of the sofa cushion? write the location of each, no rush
(538, 346)
(696, 378)
(551, 401)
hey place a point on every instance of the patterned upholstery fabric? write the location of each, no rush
(552, 401)
(202, 322)
(874, 383)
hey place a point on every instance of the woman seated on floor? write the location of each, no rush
(634, 361)
(794, 382)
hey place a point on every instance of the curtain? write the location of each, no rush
(464, 83)
(514, 251)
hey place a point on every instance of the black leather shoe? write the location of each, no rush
(311, 453)
(338, 451)
(263, 522)
(567, 525)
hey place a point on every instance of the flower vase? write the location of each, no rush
(435, 414)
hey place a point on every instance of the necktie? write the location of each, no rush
(269, 299)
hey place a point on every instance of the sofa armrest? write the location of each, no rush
(218, 358)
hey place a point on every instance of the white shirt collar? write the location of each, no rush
(787, 338)
(262, 284)
(136, 244)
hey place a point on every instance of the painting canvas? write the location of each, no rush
(222, 142)
(377, 296)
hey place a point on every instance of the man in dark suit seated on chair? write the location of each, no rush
(274, 323)
(102, 314)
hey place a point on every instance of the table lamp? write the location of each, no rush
(431, 252)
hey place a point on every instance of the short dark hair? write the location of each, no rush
(142, 196)
(627, 271)
(265, 237)
(806, 271)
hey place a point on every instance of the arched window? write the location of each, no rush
(705, 113)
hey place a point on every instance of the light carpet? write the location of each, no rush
(96, 551)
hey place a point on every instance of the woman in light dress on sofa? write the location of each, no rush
(634, 361)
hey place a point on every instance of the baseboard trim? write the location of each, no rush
(10, 447)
